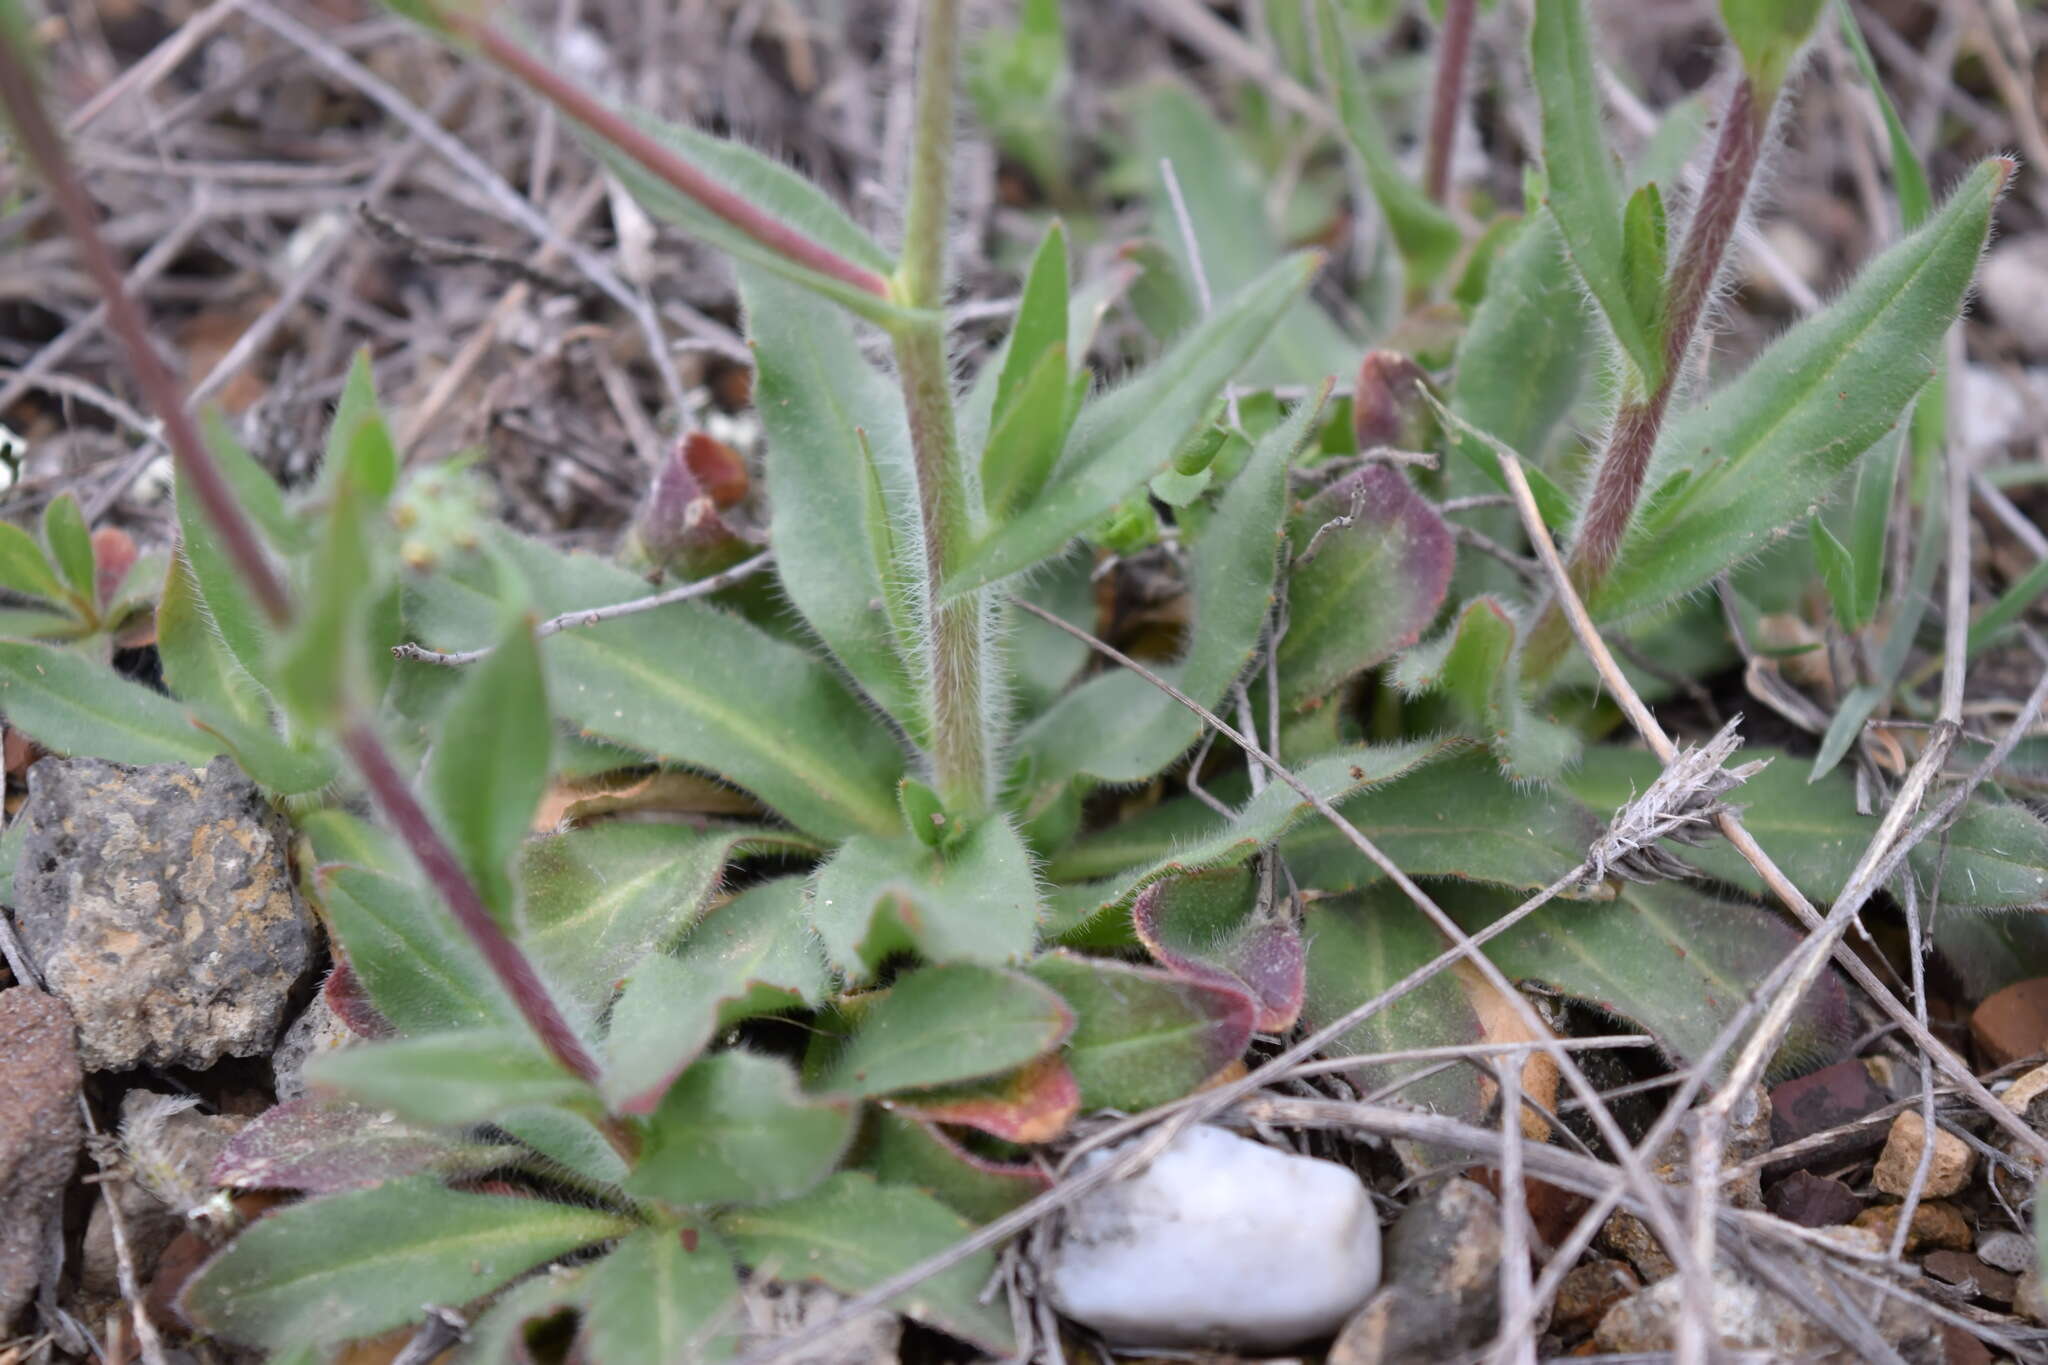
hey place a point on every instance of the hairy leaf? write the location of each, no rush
(489, 763)
(24, 568)
(902, 1150)
(1034, 1103)
(663, 1294)
(446, 1078)
(355, 1264)
(1524, 353)
(1215, 927)
(1144, 1036)
(735, 1129)
(70, 546)
(942, 1024)
(976, 901)
(423, 974)
(326, 1146)
(71, 705)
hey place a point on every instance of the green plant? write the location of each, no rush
(581, 1050)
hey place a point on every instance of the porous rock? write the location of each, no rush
(1947, 1173)
(40, 1133)
(1219, 1242)
(317, 1030)
(1442, 1295)
(158, 905)
(1750, 1318)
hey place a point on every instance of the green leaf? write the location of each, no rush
(1524, 353)
(852, 1234)
(2010, 606)
(198, 668)
(1359, 945)
(1673, 961)
(1119, 727)
(690, 684)
(1579, 173)
(1909, 176)
(1217, 927)
(489, 765)
(24, 568)
(946, 1023)
(1126, 437)
(1483, 451)
(1764, 449)
(499, 1336)
(833, 423)
(1997, 853)
(322, 663)
(70, 546)
(1643, 242)
(1427, 237)
(568, 1139)
(1459, 818)
(356, 1264)
(71, 705)
(1041, 323)
(768, 186)
(735, 1130)
(902, 1150)
(421, 972)
(237, 618)
(662, 1295)
(1870, 519)
(1837, 572)
(975, 901)
(1142, 1036)
(281, 767)
(596, 901)
(1371, 587)
(1769, 34)
(1472, 663)
(1026, 441)
(446, 1078)
(360, 452)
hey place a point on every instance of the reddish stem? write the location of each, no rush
(1626, 462)
(438, 861)
(594, 114)
(1453, 54)
(32, 124)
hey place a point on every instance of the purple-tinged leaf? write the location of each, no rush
(327, 1146)
(1211, 927)
(1144, 1036)
(1371, 585)
(351, 1003)
(903, 1150)
(1034, 1103)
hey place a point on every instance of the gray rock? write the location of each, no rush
(1748, 1317)
(157, 904)
(318, 1029)
(1442, 1295)
(2011, 283)
(40, 1133)
(2012, 1252)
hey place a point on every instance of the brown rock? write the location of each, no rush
(1812, 1201)
(1961, 1348)
(2028, 1301)
(1897, 1164)
(40, 1133)
(2026, 1089)
(2013, 1023)
(1970, 1275)
(1627, 1236)
(1588, 1292)
(1935, 1225)
(1442, 1295)
(171, 1149)
(1823, 1100)
(158, 905)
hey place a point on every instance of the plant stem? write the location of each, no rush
(1453, 54)
(46, 148)
(954, 662)
(1625, 463)
(514, 972)
(594, 114)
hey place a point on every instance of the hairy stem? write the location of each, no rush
(1625, 462)
(514, 972)
(954, 663)
(594, 114)
(1453, 54)
(46, 148)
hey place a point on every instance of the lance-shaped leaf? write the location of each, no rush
(1472, 664)
(1371, 587)
(902, 1150)
(1996, 854)
(352, 1265)
(447, 1078)
(1769, 34)
(359, 446)
(1119, 727)
(567, 1138)
(735, 1129)
(500, 1335)
(326, 1146)
(942, 1024)
(688, 684)
(753, 955)
(1029, 414)
(197, 667)
(1215, 927)
(70, 705)
(240, 622)
(1034, 1103)
(976, 901)
(1359, 946)
(1483, 451)
(24, 568)
(1460, 818)
(769, 187)
(852, 1233)
(1581, 188)
(421, 972)
(1668, 958)
(489, 764)
(1126, 437)
(1524, 352)
(1765, 449)
(1427, 237)
(663, 1294)
(596, 901)
(829, 415)
(70, 547)
(1185, 836)
(1145, 1036)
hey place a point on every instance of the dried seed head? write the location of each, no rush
(1680, 805)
